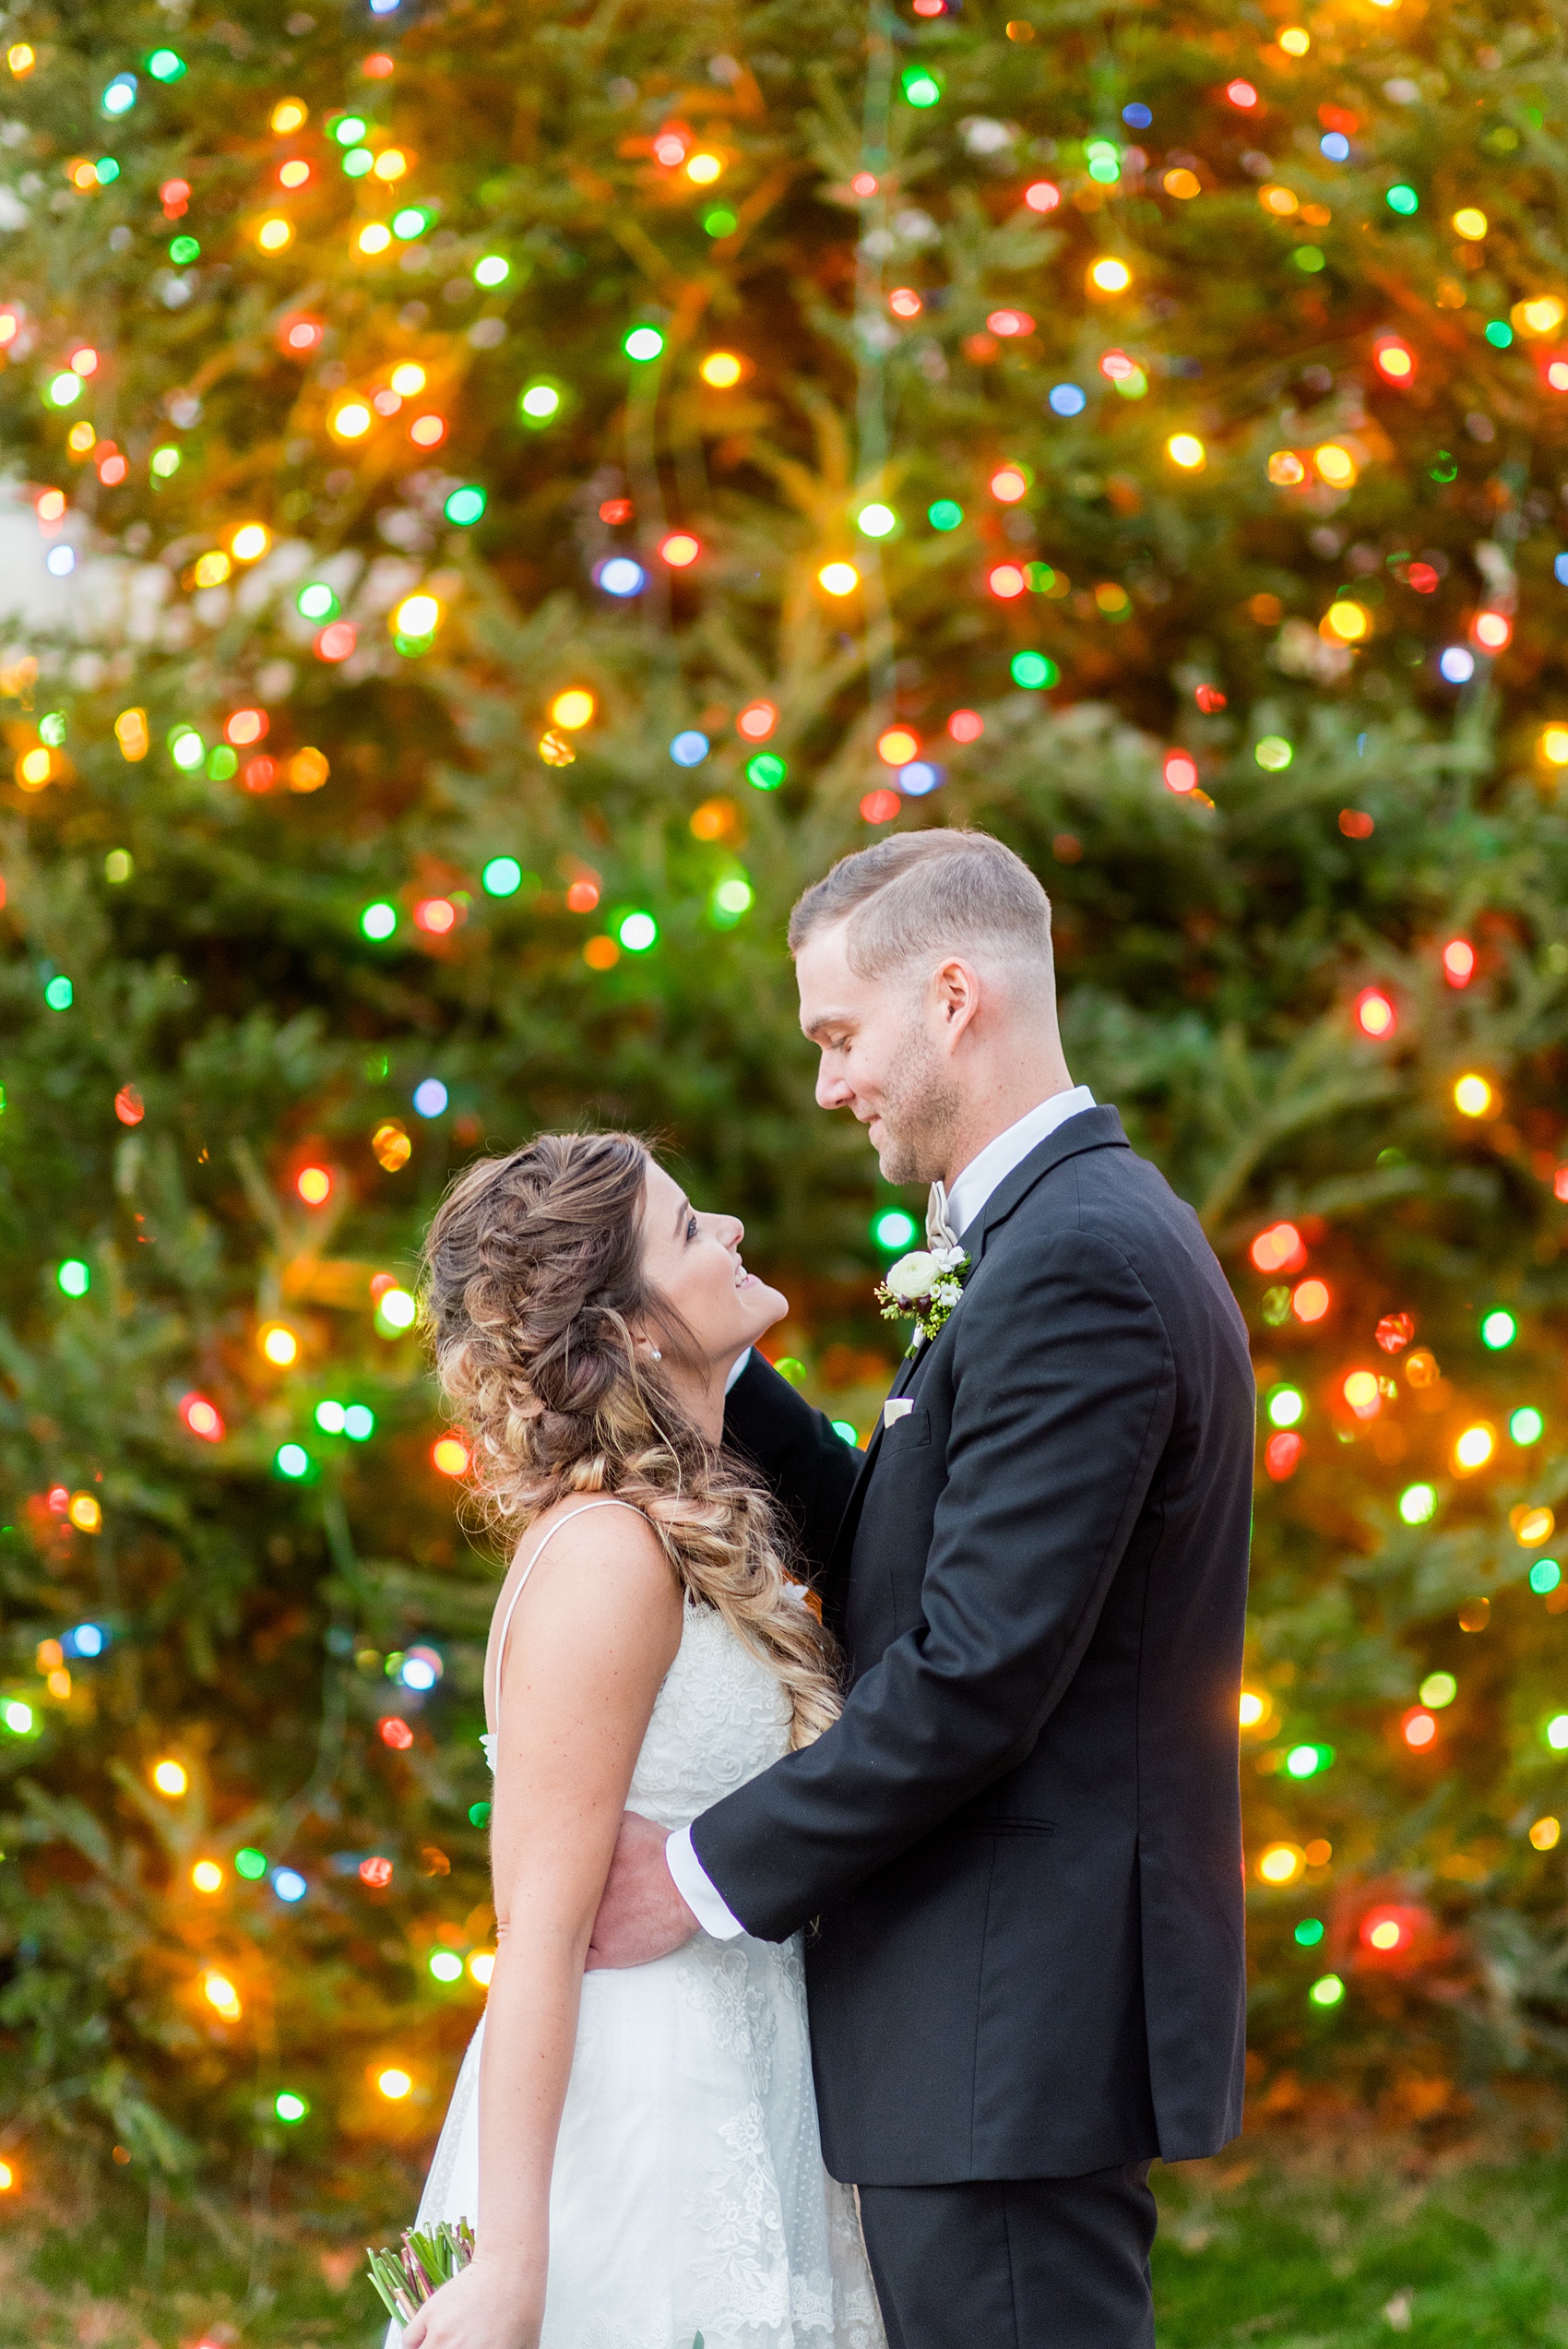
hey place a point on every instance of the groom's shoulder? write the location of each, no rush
(1105, 1195)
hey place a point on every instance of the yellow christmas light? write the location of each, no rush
(574, 708)
(279, 1344)
(1281, 1863)
(289, 114)
(275, 233)
(391, 163)
(1186, 450)
(722, 369)
(1554, 746)
(1295, 40)
(1472, 1095)
(220, 1992)
(1345, 620)
(250, 542)
(1110, 276)
(838, 578)
(408, 379)
(351, 420)
(374, 237)
(171, 1778)
(208, 1876)
(1470, 223)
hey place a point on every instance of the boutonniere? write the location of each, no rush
(923, 1287)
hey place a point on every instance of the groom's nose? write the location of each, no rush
(832, 1090)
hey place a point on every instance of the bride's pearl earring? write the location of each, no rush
(654, 1353)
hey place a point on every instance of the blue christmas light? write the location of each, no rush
(622, 577)
(1336, 146)
(918, 777)
(120, 96)
(1136, 116)
(289, 1884)
(430, 1097)
(1457, 664)
(1066, 399)
(689, 748)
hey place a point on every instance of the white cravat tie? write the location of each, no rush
(939, 1232)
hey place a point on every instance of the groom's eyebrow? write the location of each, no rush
(823, 1022)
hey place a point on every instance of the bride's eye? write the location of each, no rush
(691, 1228)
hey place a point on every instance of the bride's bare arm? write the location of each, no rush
(593, 1636)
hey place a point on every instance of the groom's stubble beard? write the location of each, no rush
(921, 1107)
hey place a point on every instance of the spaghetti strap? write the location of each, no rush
(512, 1605)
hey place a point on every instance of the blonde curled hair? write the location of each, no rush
(533, 1286)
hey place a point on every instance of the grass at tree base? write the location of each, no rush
(1335, 2236)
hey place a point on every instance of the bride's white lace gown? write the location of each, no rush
(688, 2194)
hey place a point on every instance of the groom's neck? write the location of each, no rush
(996, 1096)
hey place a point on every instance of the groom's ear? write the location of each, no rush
(954, 993)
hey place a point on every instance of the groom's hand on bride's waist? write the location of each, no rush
(641, 1916)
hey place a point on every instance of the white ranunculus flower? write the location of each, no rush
(912, 1275)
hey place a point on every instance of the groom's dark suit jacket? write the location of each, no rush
(1022, 1840)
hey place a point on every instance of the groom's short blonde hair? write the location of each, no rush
(921, 894)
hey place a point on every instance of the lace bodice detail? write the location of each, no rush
(719, 1718)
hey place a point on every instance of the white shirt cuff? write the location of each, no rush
(696, 1889)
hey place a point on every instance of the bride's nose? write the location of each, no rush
(735, 1230)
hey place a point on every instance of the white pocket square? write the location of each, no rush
(896, 1407)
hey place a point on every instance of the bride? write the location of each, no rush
(638, 2150)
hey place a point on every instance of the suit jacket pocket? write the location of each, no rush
(906, 1433)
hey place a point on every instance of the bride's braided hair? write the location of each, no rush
(532, 1287)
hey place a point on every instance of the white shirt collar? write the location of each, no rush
(995, 1162)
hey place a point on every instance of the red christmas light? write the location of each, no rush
(1006, 580)
(202, 1418)
(1312, 1300)
(1458, 962)
(395, 1733)
(1374, 1014)
(1279, 1249)
(680, 549)
(129, 1106)
(880, 806)
(1394, 360)
(1042, 196)
(756, 721)
(1282, 1455)
(1180, 771)
(1241, 94)
(966, 725)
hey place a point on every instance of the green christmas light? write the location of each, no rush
(720, 220)
(465, 505)
(1526, 1425)
(943, 514)
(446, 1965)
(411, 222)
(1403, 199)
(349, 129)
(894, 1228)
(1306, 1761)
(1417, 1503)
(538, 403)
(183, 249)
(293, 1461)
(876, 521)
(1035, 672)
(637, 932)
(1328, 1991)
(1545, 1575)
(491, 269)
(502, 877)
(59, 994)
(1273, 753)
(1287, 1406)
(250, 1864)
(1309, 1932)
(163, 462)
(732, 898)
(221, 763)
(1498, 1330)
(289, 2108)
(64, 389)
(75, 1278)
(358, 162)
(1438, 1689)
(186, 749)
(1499, 333)
(642, 343)
(166, 65)
(920, 85)
(765, 772)
(379, 920)
(315, 602)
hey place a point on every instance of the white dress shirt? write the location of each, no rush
(984, 1174)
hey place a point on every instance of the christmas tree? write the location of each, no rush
(500, 498)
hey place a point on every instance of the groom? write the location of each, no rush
(1021, 1841)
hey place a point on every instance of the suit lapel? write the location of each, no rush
(1098, 1128)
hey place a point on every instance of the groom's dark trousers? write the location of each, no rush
(1018, 1850)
